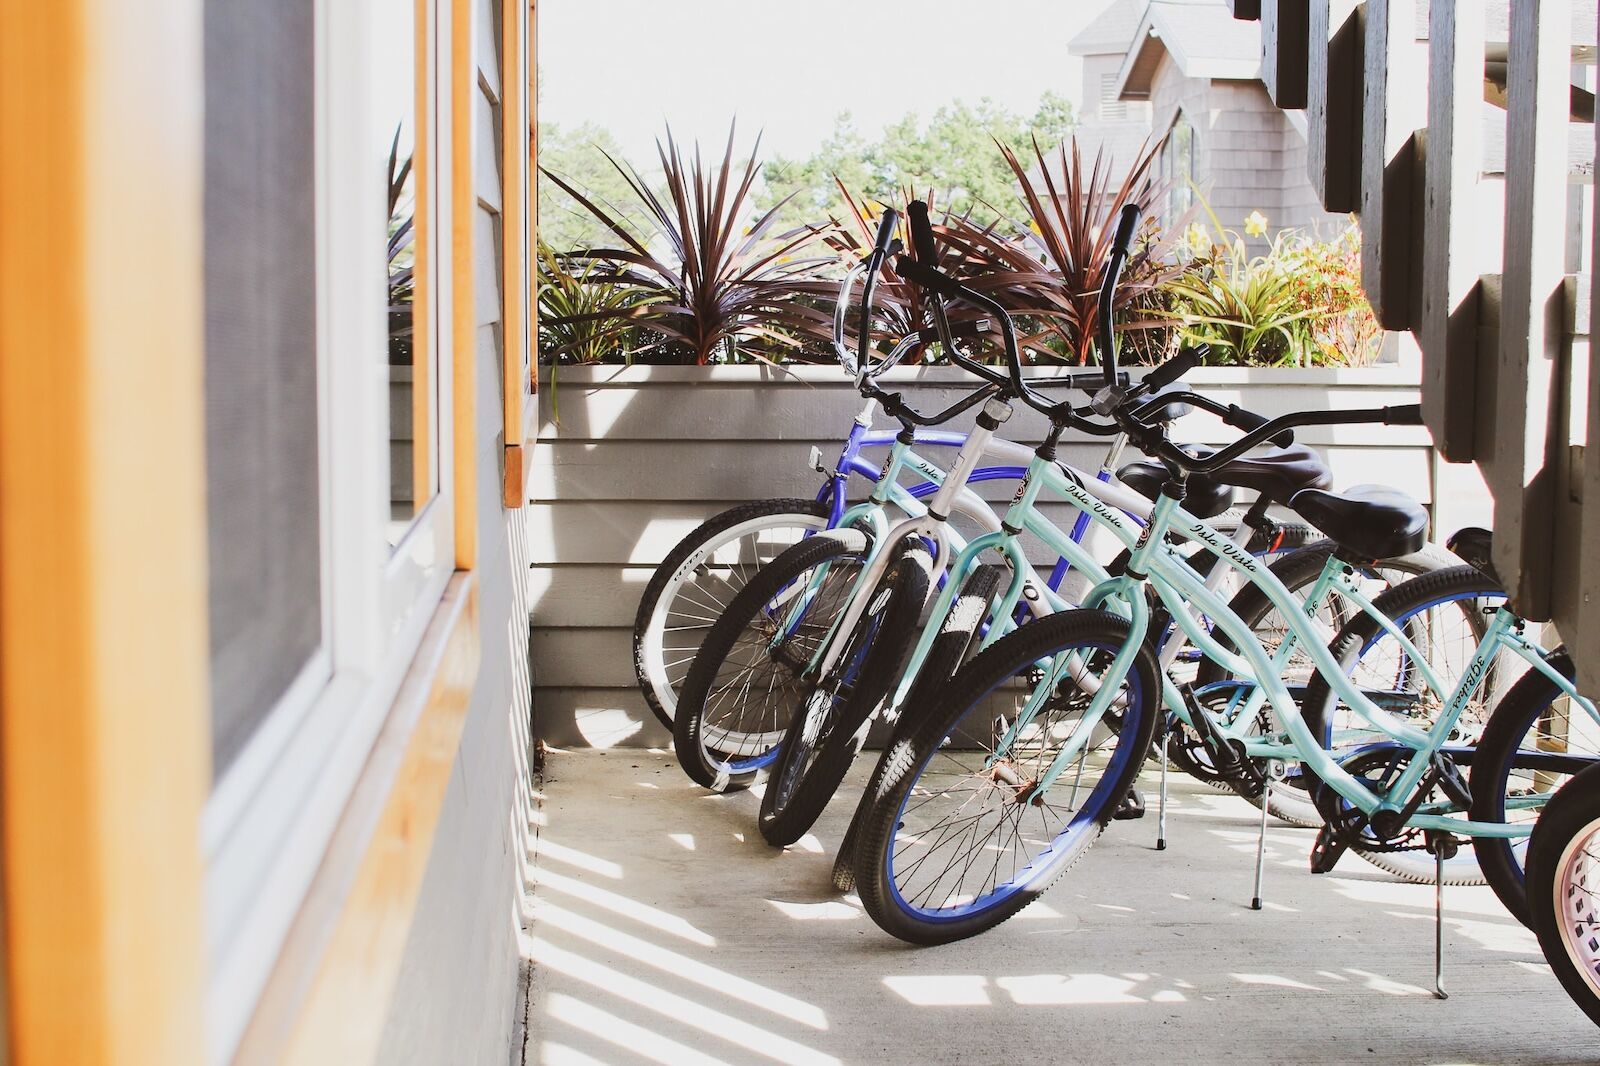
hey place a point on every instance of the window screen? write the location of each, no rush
(1110, 106)
(261, 359)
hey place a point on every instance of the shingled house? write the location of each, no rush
(1186, 71)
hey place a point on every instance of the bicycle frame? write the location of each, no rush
(1182, 588)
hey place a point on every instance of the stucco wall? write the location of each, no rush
(644, 454)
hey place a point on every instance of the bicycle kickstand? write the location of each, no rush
(1443, 846)
(1275, 772)
(1161, 812)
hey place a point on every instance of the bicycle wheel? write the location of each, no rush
(1298, 570)
(698, 579)
(955, 644)
(956, 839)
(750, 675)
(823, 739)
(1564, 888)
(1533, 744)
(1442, 614)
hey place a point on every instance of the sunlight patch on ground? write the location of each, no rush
(943, 990)
(832, 910)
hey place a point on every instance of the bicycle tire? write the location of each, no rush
(1558, 913)
(911, 754)
(1503, 861)
(828, 737)
(950, 651)
(1401, 603)
(650, 666)
(1297, 569)
(690, 735)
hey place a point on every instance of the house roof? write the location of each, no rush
(1111, 33)
(1203, 39)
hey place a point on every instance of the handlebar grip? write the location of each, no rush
(886, 228)
(1405, 415)
(936, 281)
(921, 226)
(1173, 369)
(1239, 418)
(1127, 223)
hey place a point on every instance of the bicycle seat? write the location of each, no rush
(1276, 473)
(1371, 521)
(1205, 496)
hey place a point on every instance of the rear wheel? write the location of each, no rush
(1299, 571)
(958, 837)
(823, 739)
(752, 672)
(698, 579)
(1443, 615)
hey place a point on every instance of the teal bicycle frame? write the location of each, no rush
(1185, 594)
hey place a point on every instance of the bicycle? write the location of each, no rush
(1094, 666)
(1564, 888)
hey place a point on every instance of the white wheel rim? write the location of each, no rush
(1575, 897)
(658, 671)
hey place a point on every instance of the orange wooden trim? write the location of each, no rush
(423, 445)
(516, 494)
(513, 219)
(103, 649)
(464, 318)
(533, 197)
(329, 994)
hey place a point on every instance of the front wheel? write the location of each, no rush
(823, 739)
(1564, 888)
(1534, 744)
(698, 579)
(962, 831)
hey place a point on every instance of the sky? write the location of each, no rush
(787, 67)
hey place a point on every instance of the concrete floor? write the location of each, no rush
(665, 930)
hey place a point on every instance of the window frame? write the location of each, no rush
(272, 813)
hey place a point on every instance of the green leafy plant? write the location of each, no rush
(584, 318)
(716, 282)
(1299, 303)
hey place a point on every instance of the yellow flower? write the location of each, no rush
(1255, 224)
(1198, 238)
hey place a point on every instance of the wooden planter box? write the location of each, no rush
(644, 454)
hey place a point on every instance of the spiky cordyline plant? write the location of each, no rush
(717, 281)
(1053, 273)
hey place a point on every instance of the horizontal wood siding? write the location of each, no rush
(642, 455)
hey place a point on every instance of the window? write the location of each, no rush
(330, 498)
(1177, 168)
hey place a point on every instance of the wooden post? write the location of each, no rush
(1285, 50)
(1447, 327)
(1336, 34)
(1395, 99)
(1518, 459)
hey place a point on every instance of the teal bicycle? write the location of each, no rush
(1009, 777)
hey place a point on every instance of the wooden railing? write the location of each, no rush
(1484, 252)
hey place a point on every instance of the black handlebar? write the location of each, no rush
(921, 233)
(882, 247)
(1174, 368)
(1127, 224)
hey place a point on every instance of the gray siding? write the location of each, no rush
(458, 984)
(644, 454)
(1249, 155)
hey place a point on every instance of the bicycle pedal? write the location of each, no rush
(1131, 807)
(1327, 851)
(1451, 781)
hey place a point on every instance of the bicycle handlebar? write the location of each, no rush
(1127, 224)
